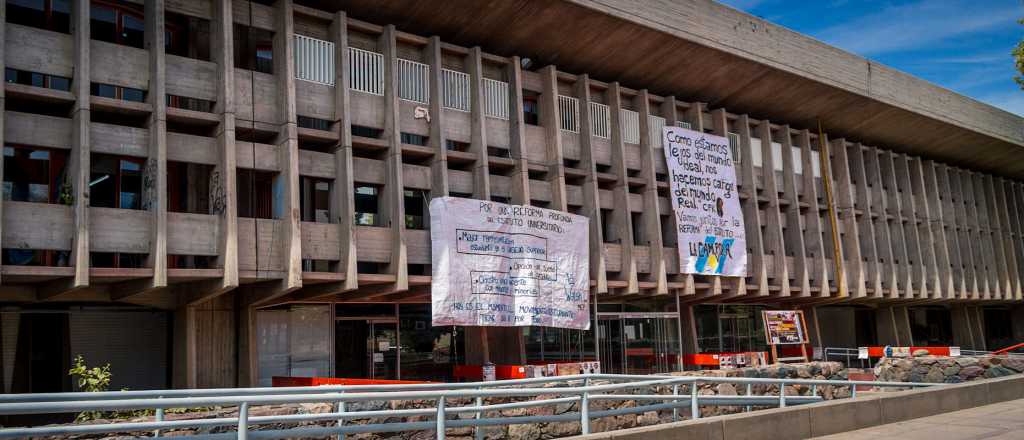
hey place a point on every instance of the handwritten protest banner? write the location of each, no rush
(508, 265)
(709, 221)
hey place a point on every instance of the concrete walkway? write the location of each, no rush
(998, 421)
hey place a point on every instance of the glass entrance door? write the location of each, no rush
(639, 343)
(367, 348)
(382, 349)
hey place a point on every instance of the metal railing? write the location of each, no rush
(846, 355)
(649, 393)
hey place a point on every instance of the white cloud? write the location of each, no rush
(917, 25)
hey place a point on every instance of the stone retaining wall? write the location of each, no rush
(944, 369)
(813, 370)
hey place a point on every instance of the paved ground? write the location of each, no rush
(1002, 421)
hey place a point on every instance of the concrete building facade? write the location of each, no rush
(215, 192)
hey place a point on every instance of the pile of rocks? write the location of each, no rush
(813, 370)
(944, 369)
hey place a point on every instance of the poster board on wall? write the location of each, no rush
(495, 264)
(711, 239)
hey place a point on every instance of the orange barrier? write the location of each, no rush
(280, 381)
(877, 352)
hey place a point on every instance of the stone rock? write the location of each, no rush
(526, 431)
(998, 371)
(1015, 364)
(904, 364)
(964, 361)
(951, 370)
(935, 376)
(648, 418)
(920, 352)
(915, 377)
(727, 389)
(928, 360)
(995, 360)
(953, 379)
(841, 392)
(971, 372)
(562, 429)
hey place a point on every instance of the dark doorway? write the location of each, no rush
(42, 359)
(350, 348)
(998, 328)
(866, 328)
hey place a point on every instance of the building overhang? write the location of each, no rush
(704, 51)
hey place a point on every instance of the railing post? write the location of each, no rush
(853, 391)
(159, 418)
(782, 395)
(440, 418)
(694, 408)
(585, 412)
(675, 409)
(478, 431)
(243, 421)
(342, 407)
(750, 391)
(814, 390)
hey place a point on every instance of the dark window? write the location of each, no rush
(33, 174)
(414, 139)
(415, 208)
(118, 22)
(314, 123)
(118, 92)
(316, 200)
(115, 182)
(190, 261)
(367, 200)
(361, 131)
(451, 145)
(188, 187)
(186, 103)
(255, 194)
(117, 260)
(499, 152)
(501, 199)
(53, 15)
(531, 108)
(35, 257)
(187, 36)
(37, 79)
(254, 49)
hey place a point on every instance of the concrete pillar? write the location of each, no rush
(902, 319)
(183, 348)
(813, 329)
(689, 330)
(886, 326)
(962, 328)
(1017, 323)
(977, 322)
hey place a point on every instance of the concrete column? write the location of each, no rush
(342, 192)
(156, 165)
(286, 185)
(962, 330)
(623, 222)
(902, 319)
(651, 216)
(591, 193)
(977, 322)
(183, 346)
(688, 325)
(1017, 323)
(885, 320)
(392, 201)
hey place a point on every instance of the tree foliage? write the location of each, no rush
(1018, 58)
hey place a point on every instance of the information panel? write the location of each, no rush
(709, 221)
(784, 327)
(508, 265)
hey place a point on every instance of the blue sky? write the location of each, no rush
(962, 45)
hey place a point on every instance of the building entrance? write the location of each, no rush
(367, 348)
(639, 343)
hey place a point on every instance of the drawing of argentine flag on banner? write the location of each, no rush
(709, 221)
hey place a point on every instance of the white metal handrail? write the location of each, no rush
(455, 86)
(496, 104)
(412, 81)
(366, 71)
(314, 60)
(569, 113)
(600, 124)
(570, 389)
(629, 122)
(655, 128)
